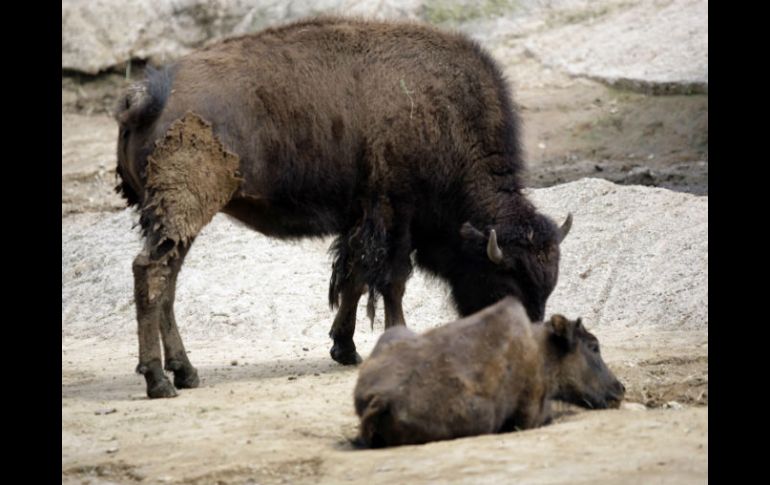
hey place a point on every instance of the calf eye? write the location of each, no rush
(593, 347)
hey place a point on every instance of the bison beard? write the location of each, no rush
(397, 138)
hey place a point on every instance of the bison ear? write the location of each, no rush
(562, 331)
(467, 231)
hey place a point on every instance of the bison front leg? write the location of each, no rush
(154, 278)
(344, 326)
(174, 353)
(531, 413)
(155, 275)
(190, 177)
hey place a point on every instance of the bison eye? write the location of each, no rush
(593, 347)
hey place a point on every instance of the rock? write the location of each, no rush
(101, 34)
(639, 176)
(101, 412)
(647, 46)
(647, 249)
(633, 406)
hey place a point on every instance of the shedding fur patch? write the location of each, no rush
(190, 177)
(364, 249)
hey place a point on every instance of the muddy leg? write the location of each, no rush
(174, 353)
(190, 176)
(344, 326)
(152, 278)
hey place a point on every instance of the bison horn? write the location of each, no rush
(564, 229)
(493, 250)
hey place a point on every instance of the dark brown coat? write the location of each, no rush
(491, 372)
(396, 137)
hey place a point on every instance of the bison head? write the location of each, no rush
(578, 371)
(518, 260)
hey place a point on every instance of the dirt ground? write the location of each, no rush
(273, 407)
(288, 420)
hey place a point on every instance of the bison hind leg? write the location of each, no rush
(344, 326)
(190, 177)
(371, 307)
(345, 289)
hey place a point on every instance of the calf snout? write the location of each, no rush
(616, 394)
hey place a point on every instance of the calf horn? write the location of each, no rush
(494, 252)
(564, 229)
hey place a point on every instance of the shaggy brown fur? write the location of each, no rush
(396, 137)
(487, 373)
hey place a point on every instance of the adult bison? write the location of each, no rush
(394, 137)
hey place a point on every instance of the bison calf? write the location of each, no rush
(490, 372)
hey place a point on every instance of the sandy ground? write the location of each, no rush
(274, 408)
(287, 420)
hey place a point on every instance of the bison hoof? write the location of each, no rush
(345, 354)
(186, 378)
(185, 375)
(161, 388)
(158, 384)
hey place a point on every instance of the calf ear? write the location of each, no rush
(562, 331)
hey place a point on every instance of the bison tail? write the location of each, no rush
(362, 252)
(339, 271)
(371, 306)
(143, 101)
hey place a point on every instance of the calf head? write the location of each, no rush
(578, 371)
